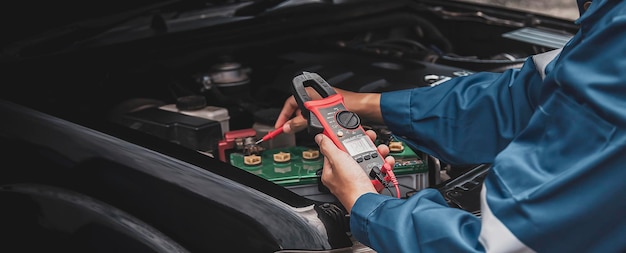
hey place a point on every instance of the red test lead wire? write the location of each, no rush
(270, 135)
(390, 176)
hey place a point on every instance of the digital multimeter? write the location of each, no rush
(330, 116)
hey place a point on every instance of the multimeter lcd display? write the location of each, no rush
(356, 146)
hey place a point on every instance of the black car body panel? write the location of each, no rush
(71, 146)
(189, 203)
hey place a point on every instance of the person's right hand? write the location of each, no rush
(343, 176)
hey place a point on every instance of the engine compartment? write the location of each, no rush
(157, 115)
(246, 97)
(216, 91)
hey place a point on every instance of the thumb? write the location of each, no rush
(295, 125)
(327, 146)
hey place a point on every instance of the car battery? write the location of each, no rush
(290, 166)
(299, 169)
(411, 168)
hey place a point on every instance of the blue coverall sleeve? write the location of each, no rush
(558, 186)
(466, 120)
(422, 223)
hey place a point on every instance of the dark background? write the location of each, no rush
(560, 8)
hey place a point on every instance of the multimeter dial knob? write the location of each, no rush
(348, 119)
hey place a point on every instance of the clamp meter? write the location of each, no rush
(330, 116)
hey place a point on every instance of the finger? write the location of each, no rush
(332, 152)
(390, 160)
(289, 108)
(327, 147)
(327, 171)
(294, 125)
(371, 134)
(383, 150)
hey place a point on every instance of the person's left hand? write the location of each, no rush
(342, 174)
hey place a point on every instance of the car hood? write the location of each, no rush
(70, 25)
(54, 26)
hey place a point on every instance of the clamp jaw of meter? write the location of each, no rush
(329, 115)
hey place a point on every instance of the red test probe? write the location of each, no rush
(270, 135)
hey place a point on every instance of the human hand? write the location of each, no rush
(342, 174)
(366, 105)
(286, 118)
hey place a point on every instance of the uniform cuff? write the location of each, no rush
(396, 110)
(364, 206)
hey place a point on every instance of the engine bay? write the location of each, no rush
(245, 91)
(230, 110)
(219, 92)
(156, 111)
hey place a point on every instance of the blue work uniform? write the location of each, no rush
(553, 130)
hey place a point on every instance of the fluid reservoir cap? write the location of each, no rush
(348, 119)
(190, 103)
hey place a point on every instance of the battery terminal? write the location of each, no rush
(396, 146)
(252, 160)
(310, 154)
(282, 157)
